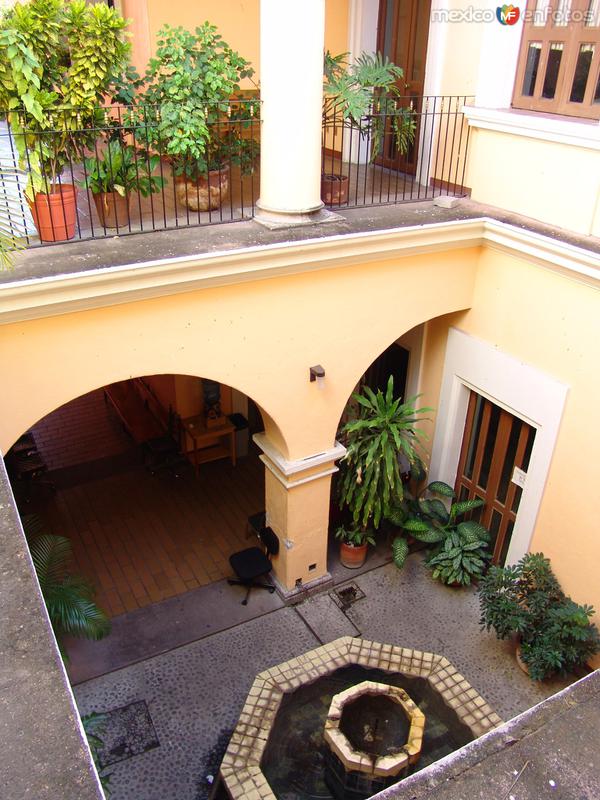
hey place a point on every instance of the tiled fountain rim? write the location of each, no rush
(240, 770)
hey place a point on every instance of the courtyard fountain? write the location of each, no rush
(348, 719)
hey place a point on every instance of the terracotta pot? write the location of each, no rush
(55, 213)
(334, 189)
(203, 193)
(112, 208)
(520, 661)
(353, 556)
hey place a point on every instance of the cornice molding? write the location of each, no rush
(534, 125)
(50, 296)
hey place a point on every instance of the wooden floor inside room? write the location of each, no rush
(142, 538)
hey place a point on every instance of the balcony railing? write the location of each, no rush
(405, 149)
(121, 170)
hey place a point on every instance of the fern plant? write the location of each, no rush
(385, 429)
(68, 597)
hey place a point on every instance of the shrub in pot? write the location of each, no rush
(57, 60)
(189, 85)
(113, 174)
(555, 633)
(354, 543)
(371, 477)
(361, 97)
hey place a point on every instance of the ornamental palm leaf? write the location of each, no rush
(385, 430)
(68, 598)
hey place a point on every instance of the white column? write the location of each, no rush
(292, 36)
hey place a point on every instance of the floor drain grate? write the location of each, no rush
(347, 595)
(128, 731)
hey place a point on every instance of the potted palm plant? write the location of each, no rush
(114, 174)
(361, 97)
(384, 433)
(187, 109)
(59, 59)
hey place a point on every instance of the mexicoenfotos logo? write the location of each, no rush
(508, 15)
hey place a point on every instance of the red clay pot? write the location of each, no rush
(334, 189)
(353, 556)
(112, 208)
(55, 213)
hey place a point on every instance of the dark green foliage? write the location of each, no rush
(354, 536)
(119, 168)
(460, 549)
(94, 725)
(385, 429)
(68, 598)
(556, 633)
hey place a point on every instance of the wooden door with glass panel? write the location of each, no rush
(494, 459)
(402, 36)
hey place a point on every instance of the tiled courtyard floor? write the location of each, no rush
(194, 693)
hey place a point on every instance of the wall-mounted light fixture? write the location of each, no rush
(318, 374)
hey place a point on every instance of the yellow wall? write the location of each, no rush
(551, 322)
(237, 21)
(248, 336)
(552, 182)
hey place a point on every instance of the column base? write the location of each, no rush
(276, 220)
(297, 594)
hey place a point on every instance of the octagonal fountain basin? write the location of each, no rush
(347, 719)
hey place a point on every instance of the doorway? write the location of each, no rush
(494, 459)
(402, 36)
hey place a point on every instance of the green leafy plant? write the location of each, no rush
(120, 168)
(385, 429)
(94, 725)
(8, 245)
(556, 634)
(354, 536)
(186, 104)
(57, 60)
(365, 95)
(68, 597)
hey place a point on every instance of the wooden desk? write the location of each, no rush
(208, 444)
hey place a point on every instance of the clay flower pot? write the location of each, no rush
(113, 209)
(334, 189)
(353, 556)
(205, 192)
(55, 213)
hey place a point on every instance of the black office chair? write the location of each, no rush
(253, 563)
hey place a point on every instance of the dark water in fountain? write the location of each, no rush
(375, 724)
(294, 759)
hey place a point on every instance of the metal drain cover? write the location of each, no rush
(346, 595)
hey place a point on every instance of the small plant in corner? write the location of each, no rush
(94, 725)
(555, 634)
(353, 545)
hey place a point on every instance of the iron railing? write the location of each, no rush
(403, 150)
(113, 171)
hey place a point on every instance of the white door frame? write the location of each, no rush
(523, 391)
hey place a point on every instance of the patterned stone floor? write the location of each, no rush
(194, 693)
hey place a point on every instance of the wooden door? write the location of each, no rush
(493, 464)
(403, 32)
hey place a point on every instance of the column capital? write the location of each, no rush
(298, 471)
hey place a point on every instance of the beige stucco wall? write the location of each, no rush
(237, 21)
(551, 322)
(550, 181)
(253, 337)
